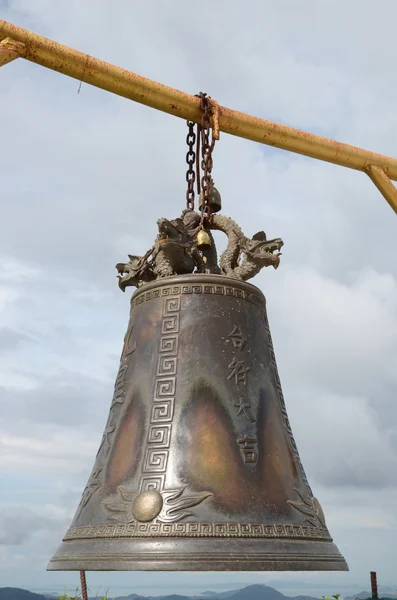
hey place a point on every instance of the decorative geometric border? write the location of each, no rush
(217, 290)
(162, 410)
(227, 530)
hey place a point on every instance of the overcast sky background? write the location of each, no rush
(84, 178)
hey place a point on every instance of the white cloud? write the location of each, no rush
(342, 336)
(59, 451)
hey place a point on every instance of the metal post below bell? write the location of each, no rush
(198, 468)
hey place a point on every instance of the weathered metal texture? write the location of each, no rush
(198, 468)
(10, 50)
(108, 77)
(374, 585)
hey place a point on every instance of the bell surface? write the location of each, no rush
(198, 469)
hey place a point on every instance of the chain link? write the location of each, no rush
(204, 184)
(206, 155)
(190, 159)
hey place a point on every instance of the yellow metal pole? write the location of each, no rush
(384, 185)
(108, 77)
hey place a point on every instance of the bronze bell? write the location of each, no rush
(198, 468)
(203, 239)
(214, 200)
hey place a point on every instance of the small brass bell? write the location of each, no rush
(203, 239)
(214, 200)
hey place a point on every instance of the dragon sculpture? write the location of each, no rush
(176, 252)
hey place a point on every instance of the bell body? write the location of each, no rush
(197, 468)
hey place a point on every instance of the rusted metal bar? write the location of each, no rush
(84, 593)
(108, 77)
(374, 585)
(384, 185)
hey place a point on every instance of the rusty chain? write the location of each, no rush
(202, 138)
(190, 159)
(206, 155)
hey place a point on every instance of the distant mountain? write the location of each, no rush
(9, 593)
(213, 595)
(222, 595)
(364, 595)
(261, 592)
(135, 597)
(251, 592)
(130, 597)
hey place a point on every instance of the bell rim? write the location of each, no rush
(227, 557)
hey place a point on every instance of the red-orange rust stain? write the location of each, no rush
(212, 458)
(149, 327)
(125, 450)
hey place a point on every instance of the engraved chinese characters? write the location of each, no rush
(197, 448)
(239, 373)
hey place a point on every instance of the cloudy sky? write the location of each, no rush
(86, 175)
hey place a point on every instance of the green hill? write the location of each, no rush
(9, 593)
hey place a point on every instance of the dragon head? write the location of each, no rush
(134, 272)
(260, 250)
